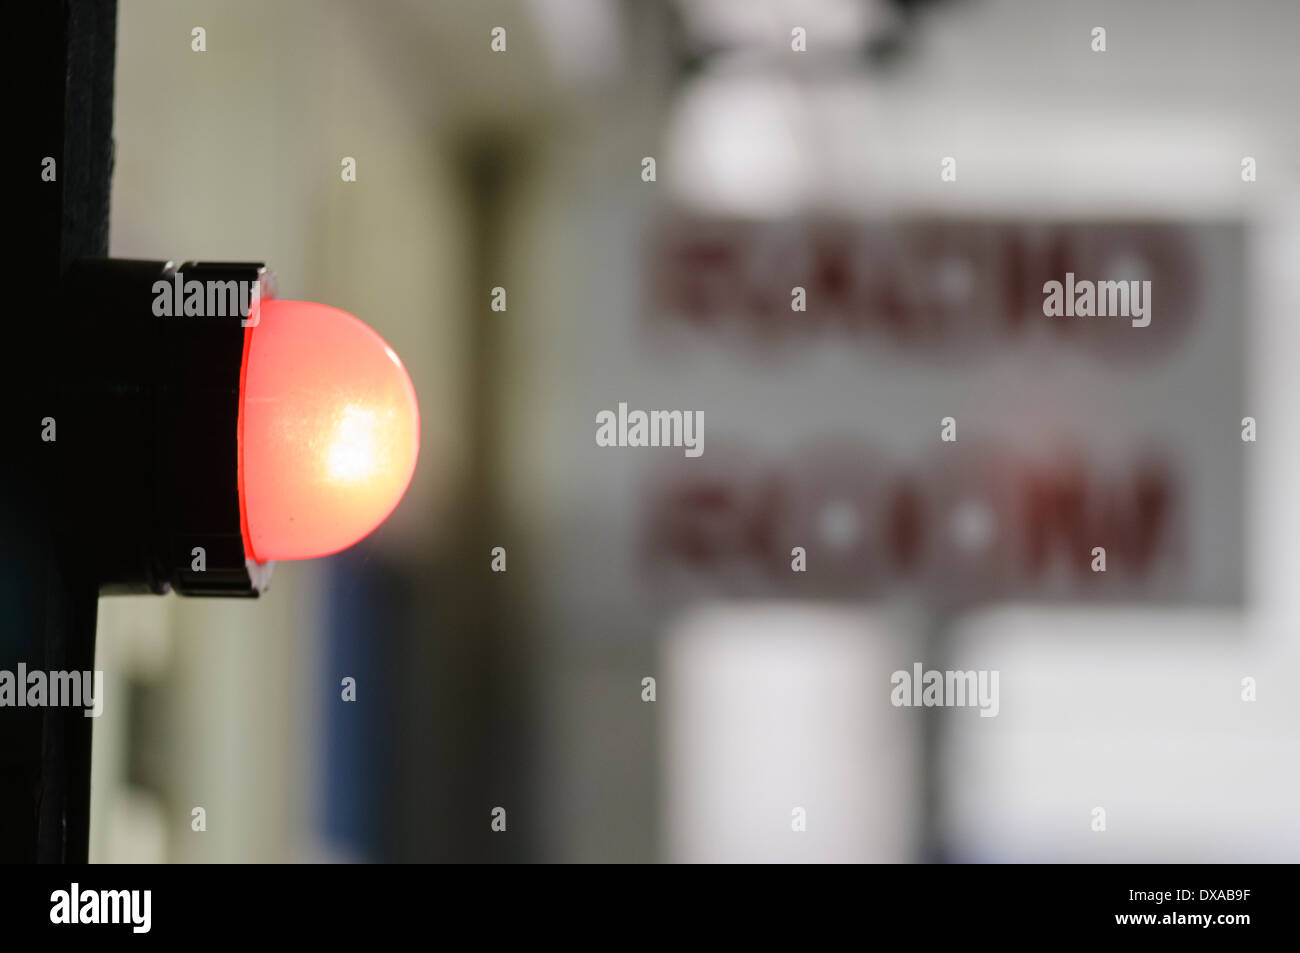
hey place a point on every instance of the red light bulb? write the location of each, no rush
(329, 431)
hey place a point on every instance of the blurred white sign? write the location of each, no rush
(1093, 457)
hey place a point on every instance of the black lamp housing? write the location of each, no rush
(147, 429)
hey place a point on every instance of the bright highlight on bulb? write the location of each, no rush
(329, 431)
(353, 454)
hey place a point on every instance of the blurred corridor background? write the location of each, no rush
(774, 168)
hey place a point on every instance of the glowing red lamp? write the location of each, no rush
(206, 429)
(329, 431)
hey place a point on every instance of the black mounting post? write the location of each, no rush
(48, 592)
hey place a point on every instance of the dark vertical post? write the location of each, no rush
(489, 173)
(48, 594)
(483, 654)
(934, 641)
